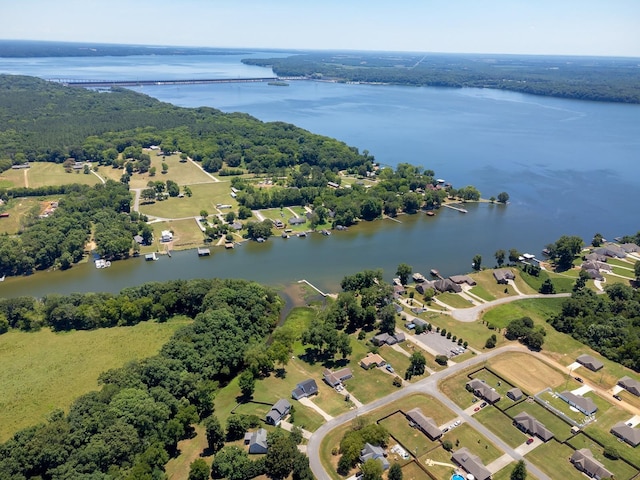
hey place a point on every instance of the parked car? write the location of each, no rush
(456, 423)
(617, 397)
(529, 441)
(483, 404)
(389, 368)
(579, 379)
(445, 429)
(476, 409)
(474, 400)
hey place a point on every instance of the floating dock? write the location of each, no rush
(203, 252)
(459, 209)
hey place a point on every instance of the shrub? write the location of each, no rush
(441, 359)
(447, 445)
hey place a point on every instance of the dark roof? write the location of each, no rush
(305, 389)
(611, 251)
(485, 391)
(631, 385)
(373, 452)
(590, 362)
(503, 274)
(515, 393)
(628, 434)
(584, 404)
(258, 441)
(471, 464)
(278, 411)
(447, 285)
(583, 460)
(426, 424)
(337, 377)
(462, 279)
(297, 220)
(532, 426)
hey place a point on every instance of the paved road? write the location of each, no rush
(428, 386)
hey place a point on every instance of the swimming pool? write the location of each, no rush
(456, 476)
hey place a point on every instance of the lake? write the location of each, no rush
(570, 167)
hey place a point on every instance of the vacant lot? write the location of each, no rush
(204, 197)
(63, 366)
(466, 436)
(17, 209)
(538, 309)
(43, 174)
(501, 425)
(454, 300)
(527, 372)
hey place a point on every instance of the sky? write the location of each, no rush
(549, 27)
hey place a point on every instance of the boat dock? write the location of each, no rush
(314, 287)
(203, 252)
(434, 272)
(452, 207)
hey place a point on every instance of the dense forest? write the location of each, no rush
(43, 121)
(130, 428)
(607, 323)
(59, 240)
(584, 78)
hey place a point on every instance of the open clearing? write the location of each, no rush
(63, 366)
(43, 174)
(526, 371)
(204, 197)
(17, 209)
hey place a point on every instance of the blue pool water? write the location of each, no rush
(457, 477)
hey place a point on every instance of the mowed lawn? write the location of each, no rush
(553, 459)
(43, 174)
(526, 371)
(501, 425)
(536, 308)
(43, 371)
(620, 469)
(204, 197)
(17, 209)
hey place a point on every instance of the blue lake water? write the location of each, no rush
(570, 167)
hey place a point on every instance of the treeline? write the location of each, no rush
(59, 239)
(599, 79)
(408, 189)
(131, 427)
(610, 324)
(43, 121)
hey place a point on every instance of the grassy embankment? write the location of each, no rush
(63, 366)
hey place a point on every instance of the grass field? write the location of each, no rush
(454, 388)
(411, 439)
(454, 300)
(186, 234)
(487, 281)
(467, 436)
(191, 449)
(539, 309)
(411, 471)
(562, 283)
(620, 469)
(63, 366)
(482, 293)
(17, 209)
(561, 430)
(505, 473)
(527, 372)
(553, 459)
(501, 425)
(493, 381)
(204, 197)
(43, 174)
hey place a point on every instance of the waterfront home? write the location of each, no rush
(471, 464)
(460, 279)
(166, 236)
(305, 389)
(630, 385)
(583, 460)
(590, 362)
(613, 251)
(277, 413)
(374, 452)
(503, 275)
(333, 379)
(529, 425)
(447, 285)
(425, 424)
(297, 221)
(482, 390)
(584, 404)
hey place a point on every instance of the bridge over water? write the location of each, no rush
(193, 81)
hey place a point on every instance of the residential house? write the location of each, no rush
(446, 285)
(503, 275)
(584, 404)
(138, 239)
(277, 413)
(399, 290)
(305, 389)
(630, 385)
(336, 378)
(418, 322)
(595, 265)
(460, 279)
(388, 339)
(583, 460)
(628, 434)
(515, 394)
(471, 464)
(257, 441)
(481, 389)
(529, 425)
(594, 257)
(421, 288)
(166, 236)
(297, 221)
(590, 362)
(425, 424)
(374, 452)
(372, 360)
(630, 247)
(613, 251)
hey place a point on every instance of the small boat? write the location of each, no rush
(2, 278)
(285, 235)
(149, 257)
(302, 234)
(434, 272)
(326, 233)
(430, 213)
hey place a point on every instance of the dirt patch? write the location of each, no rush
(190, 450)
(526, 371)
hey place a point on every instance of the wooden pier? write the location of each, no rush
(459, 209)
(203, 252)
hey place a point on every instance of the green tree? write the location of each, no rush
(165, 167)
(417, 364)
(204, 214)
(636, 270)
(230, 217)
(519, 472)
(371, 470)
(514, 255)
(476, 262)
(403, 271)
(503, 197)
(231, 463)
(152, 172)
(491, 342)
(278, 461)
(597, 240)
(247, 383)
(395, 472)
(199, 470)
(547, 287)
(500, 256)
(387, 315)
(564, 250)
